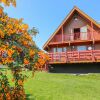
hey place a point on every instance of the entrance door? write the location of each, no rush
(76, 33)
(83, 34)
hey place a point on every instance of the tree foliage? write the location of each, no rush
(17, 51)
(8, 2)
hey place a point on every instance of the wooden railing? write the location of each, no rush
(75, 56)
(76, 36)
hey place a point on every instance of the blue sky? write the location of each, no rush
(46, 15)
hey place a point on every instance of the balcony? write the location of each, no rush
(76, 37)
(87, 56)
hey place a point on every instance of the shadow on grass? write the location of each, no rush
(29, 97)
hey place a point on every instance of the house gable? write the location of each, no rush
(67, 23)
(69, 26)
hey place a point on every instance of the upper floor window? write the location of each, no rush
(80, 33)
(83, 29)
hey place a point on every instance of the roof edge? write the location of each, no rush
(66, 18)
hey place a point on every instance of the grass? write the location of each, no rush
(49, 86)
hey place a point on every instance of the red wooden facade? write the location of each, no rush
(76, 40)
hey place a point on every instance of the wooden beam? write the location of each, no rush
(48, 47)
(62, 30)
(69, 43)
(92, 32)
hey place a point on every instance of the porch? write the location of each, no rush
(88, 56)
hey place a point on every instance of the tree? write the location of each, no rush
(18, 51)
(8, 2)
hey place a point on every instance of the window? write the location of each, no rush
(81, 48)
(54, 49)
(59, 49)
(64, 49)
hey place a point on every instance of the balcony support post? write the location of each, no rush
(92, 54)
(92, 32)
(69, 43)
(78, 55)
(62, 34)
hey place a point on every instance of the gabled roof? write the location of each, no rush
(66, 19)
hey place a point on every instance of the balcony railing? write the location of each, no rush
(75, 56)
(76, 37)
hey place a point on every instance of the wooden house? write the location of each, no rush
(75, 45)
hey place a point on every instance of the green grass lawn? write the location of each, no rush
(49, 86)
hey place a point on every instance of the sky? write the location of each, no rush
(46, 15)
